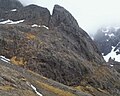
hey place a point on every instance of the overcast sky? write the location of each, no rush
(90, 14)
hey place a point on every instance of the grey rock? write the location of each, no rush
(61, 15)
(32, 14)
(7, 5)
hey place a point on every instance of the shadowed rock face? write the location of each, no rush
(63, 52)
(7, 5)
(61, 15)
(68, 26)
(32, 14)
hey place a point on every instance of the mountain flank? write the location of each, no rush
(55, 47)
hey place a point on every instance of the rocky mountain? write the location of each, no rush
(108, 41)
(54, 47)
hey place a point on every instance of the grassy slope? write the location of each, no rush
(44, 85)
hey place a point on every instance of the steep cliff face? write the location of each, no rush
(56, 47)
(68, 26)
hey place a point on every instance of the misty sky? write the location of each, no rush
(90, 14)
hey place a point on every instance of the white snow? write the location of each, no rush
(111, 65)
(34, 88)
(112, 54)
(14, 10)
(92, 38)
(36, 91)
(4, 59)
(102, 54)
(16, 22)
(4, 22)
(11, 22)
(111, 35)
(106, 34)
(35, 25)
(107, 40)
(117, 50)
(44, 26)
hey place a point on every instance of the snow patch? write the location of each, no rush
(92, 38)
(102, 54)
(106, 34)
(111, 65)
(11, 22)
(5, 22)
(4, 59)
(112, 54)
(33, 87)
(111, 35)
(35, 25)
(14, 10)
(44, 26)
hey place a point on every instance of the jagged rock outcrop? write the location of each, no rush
(8, 5)
(67, 25)
(61, 15)
(31, 14)
(57, 48)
